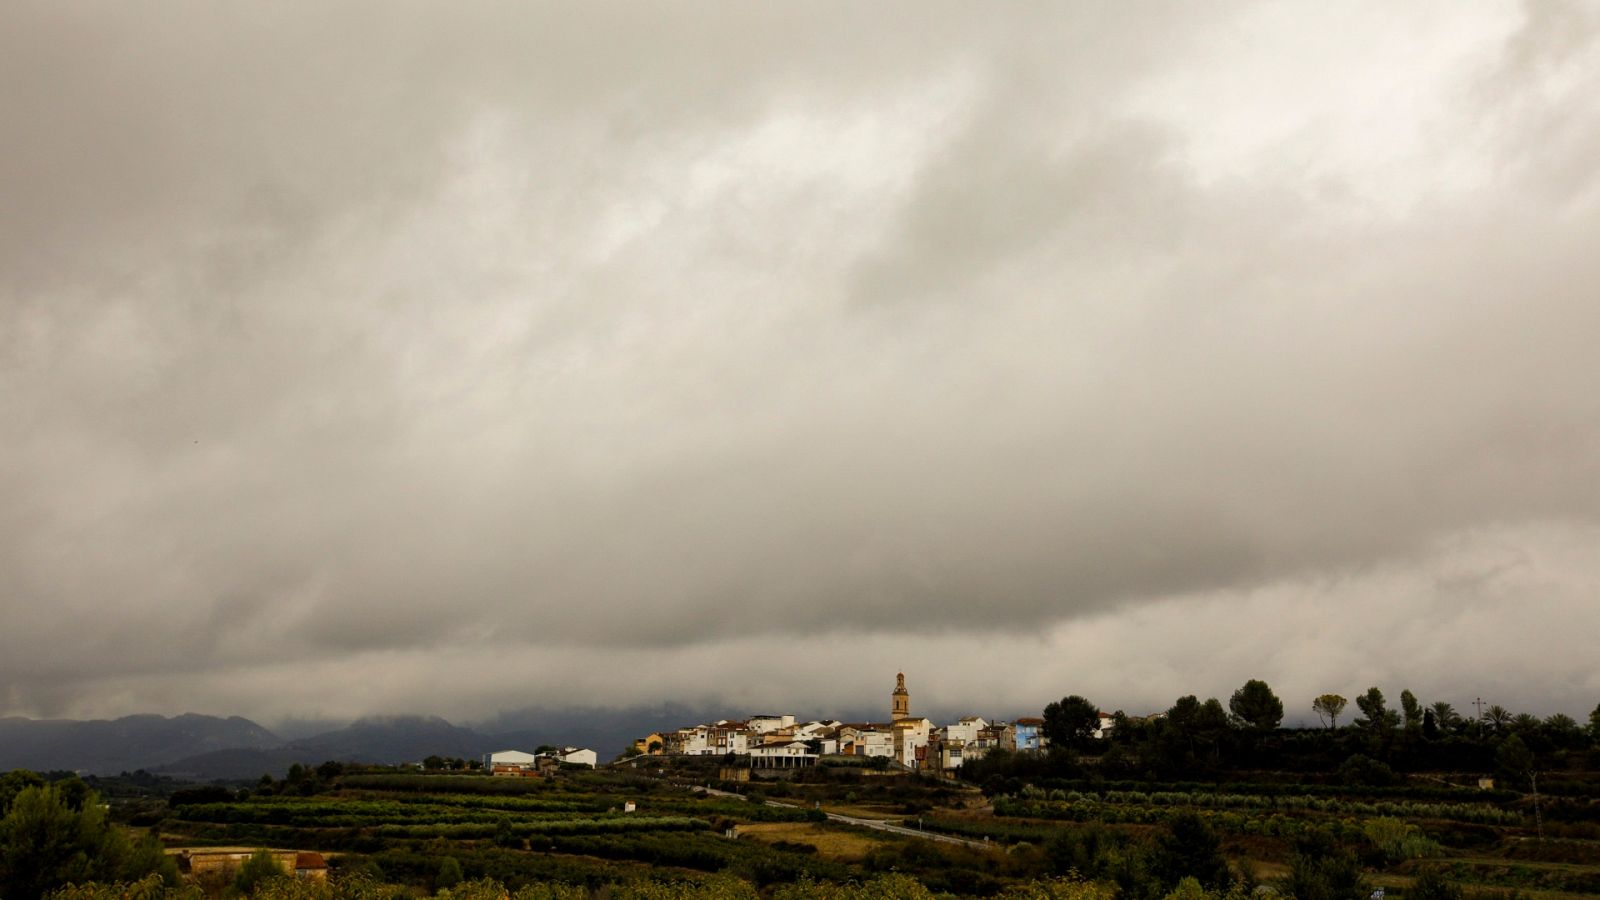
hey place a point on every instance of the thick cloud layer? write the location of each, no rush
(754, 354)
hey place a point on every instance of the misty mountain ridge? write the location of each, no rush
(107, 746)
(398, 739)
(203, 748)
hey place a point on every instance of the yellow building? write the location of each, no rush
(226, 861)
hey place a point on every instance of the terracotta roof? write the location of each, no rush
(1030, 721)
(307, 859)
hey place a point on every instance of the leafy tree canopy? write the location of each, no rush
(1256, 705)
(13, 783)
(1328, 707)
(1411, 710)
(1375, 715)
(449, 873)
(1071, 722)
(1190, 848)
(260, 867)
(45, 843)
(1212, 718)
(1183, 712)
(1514, 763)
(1323, 870)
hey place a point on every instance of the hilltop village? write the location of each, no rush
(910, 742)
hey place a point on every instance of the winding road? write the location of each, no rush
(876, 824)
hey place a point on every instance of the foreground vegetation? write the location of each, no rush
(1204, 802)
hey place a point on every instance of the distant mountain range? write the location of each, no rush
(133, 742)
(208, 748)
(399, 739)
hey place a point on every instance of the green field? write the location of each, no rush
(1136, 820)
(574, 830)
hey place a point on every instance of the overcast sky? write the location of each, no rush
(449, 358)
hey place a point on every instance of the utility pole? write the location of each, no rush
(1538, 819)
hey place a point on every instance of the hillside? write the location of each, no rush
(108, 746)
(205, 748)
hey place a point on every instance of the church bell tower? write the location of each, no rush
(901, 698)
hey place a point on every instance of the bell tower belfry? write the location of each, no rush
(901, 698)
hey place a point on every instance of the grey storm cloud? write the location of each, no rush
(427, 342)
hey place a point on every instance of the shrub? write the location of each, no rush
(1398, 841)
(449, 873)
(53, 836)
(151, 887)
(1362, 770)
(261, 866)
(883, 887)
(1430, 885)
(1190, 849)
(1322, 870)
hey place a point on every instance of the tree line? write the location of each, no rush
(57, 832)
(1195, 738)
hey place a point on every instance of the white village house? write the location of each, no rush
(516, 762)
(912, 742)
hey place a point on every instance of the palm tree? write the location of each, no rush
(1563, 730)
(1524, 723)
(1497, 717)
(1561, 723)
(1446, 717)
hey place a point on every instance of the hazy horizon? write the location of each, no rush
(377, 358)
(683, 714)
